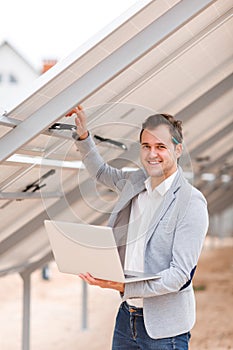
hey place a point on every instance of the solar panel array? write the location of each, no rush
(166, 56)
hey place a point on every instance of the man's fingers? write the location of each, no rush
(74, 111)
(102, 283)
(70, 113)
(88, 278)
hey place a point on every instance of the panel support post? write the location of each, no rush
(84, 305)
(26, 310)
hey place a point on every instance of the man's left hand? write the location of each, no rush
(102, 283)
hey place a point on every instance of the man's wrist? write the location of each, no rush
(77, 137)
(84, 136)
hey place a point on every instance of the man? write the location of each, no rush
(159, 222)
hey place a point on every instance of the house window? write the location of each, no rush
(13, 79)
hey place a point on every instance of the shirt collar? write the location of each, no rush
(161, 188)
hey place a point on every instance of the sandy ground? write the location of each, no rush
(56, 308)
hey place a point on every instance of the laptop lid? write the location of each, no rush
(80, 248)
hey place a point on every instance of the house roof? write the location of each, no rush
(6, 43)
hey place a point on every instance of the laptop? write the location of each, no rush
(80, 248)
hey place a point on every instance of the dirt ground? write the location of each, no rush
(56, 310)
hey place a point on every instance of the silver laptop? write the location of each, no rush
(81, 248)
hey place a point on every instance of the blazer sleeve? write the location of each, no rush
(189, 236)
(98, 169)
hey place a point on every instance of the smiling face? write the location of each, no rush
(159, 154)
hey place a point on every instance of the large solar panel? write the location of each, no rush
(166, 56)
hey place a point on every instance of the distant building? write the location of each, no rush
(16, 74)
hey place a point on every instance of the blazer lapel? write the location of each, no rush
(119, 219)
(132, 188)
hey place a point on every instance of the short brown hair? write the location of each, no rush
(175, 126)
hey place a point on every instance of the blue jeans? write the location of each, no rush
(130, 333)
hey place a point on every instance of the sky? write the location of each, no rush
(52, 29)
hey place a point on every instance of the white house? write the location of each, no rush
(15, 74)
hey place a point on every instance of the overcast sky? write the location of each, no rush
(51, 29)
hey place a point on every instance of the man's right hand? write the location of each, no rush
(80, 121)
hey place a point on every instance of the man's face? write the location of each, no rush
(158, 153)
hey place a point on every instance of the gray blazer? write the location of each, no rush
(172, 247)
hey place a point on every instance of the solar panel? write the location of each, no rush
(171, 56)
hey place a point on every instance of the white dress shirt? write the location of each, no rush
(143, 209)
